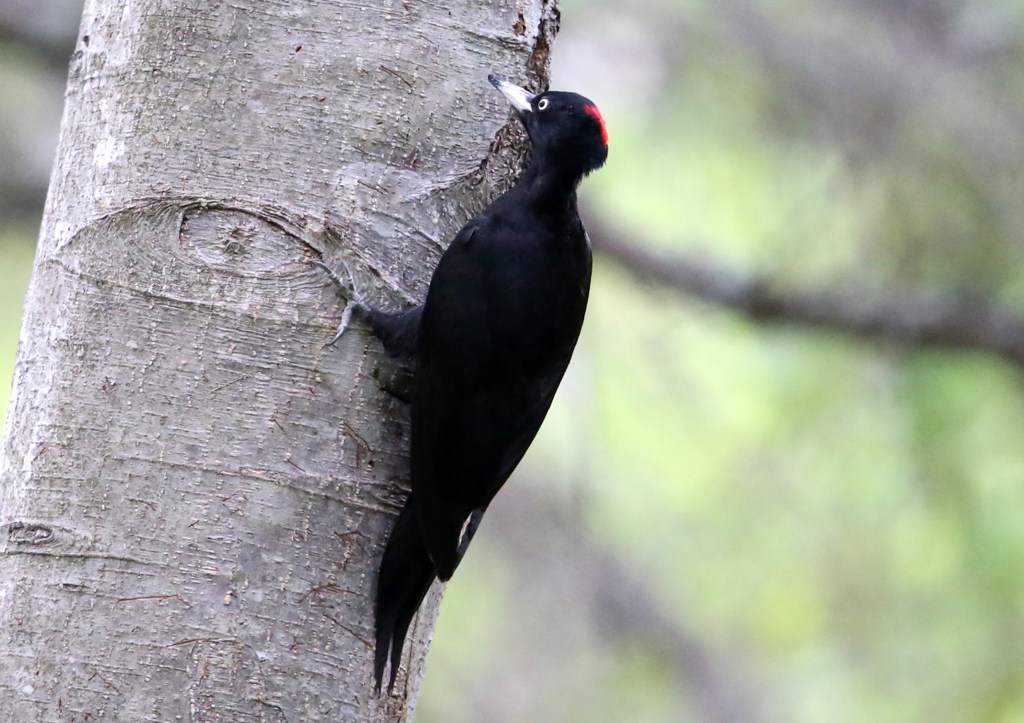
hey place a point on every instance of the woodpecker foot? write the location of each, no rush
(353, 298)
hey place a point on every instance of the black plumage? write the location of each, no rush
(489, 346)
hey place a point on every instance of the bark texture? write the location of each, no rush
(194, 493)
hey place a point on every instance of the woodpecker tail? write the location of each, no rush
(397, 331)
(405, 576)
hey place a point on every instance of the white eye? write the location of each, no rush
(543, 104)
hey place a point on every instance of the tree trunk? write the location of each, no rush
(194, 493)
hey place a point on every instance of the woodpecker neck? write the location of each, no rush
(551, 184)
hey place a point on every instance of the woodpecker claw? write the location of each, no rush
(353, 298)
(346, 317)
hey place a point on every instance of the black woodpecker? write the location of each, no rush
(489, 348)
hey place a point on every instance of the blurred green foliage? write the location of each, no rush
(799, 526)
(839, 525)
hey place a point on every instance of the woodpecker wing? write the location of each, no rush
(499, 325)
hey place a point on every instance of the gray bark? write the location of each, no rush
(194, 493)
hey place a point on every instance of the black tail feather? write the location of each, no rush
(406, 574)
(397, 331)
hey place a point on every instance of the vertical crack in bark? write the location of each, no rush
(539, 61)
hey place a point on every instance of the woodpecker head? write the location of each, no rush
(565, 128)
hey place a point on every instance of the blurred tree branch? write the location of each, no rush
(625, 607)
(21, 201)
(952, 323)
(620, 603)
(54, 51)
(873, 86)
